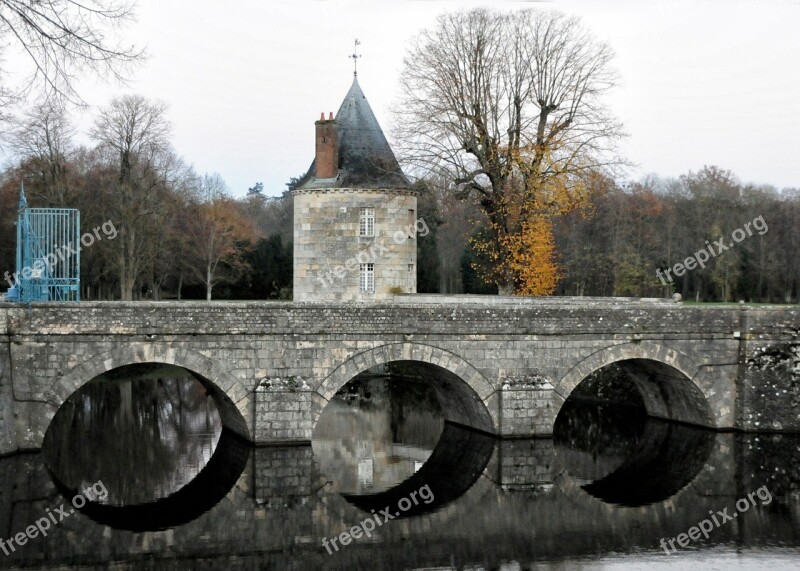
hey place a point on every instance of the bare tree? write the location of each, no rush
(134, 133)
(65, 37)
(508, 106)
(43, 142)
(167, 240)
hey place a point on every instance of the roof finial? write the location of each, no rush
(355, 57)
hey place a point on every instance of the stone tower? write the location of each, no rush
(355, 215)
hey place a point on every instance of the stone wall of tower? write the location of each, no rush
(328, 250)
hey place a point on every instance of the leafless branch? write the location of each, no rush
(488, 95)
(64, 38)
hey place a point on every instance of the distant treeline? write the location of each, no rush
(179, 233)
(182, 235)
(631, 233)
(747, 235)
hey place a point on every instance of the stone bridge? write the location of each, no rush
(501, 365)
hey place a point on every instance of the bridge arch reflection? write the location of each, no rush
(617, 436)
(398, 427)
(165, 442)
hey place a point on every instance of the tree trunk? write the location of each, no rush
(123, 295)
(127, 272)
(505, 289)
(208, 282)
(180, 284)
(725, 287)
(124, 289)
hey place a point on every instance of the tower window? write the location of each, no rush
(367, 222)
(367, 278)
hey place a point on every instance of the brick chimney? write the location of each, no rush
(327, 157)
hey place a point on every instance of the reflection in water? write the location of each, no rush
(455, 464)
(516, 511)
(149, 433)
(211, 484)
(377, 432)
(383, 437)
(624, 457)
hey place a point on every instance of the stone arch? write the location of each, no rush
(229, 393)
(682, 391)
(469, 395)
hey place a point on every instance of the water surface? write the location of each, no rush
(184, 493)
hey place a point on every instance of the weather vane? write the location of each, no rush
(355, 57)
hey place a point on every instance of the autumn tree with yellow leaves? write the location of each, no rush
(508, 106)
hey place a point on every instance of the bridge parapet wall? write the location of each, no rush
(48, 350)
(272, 318)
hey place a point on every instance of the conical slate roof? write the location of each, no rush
(365, 158)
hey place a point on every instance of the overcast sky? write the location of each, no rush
(714, 83)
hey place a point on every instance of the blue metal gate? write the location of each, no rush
(48, 253)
